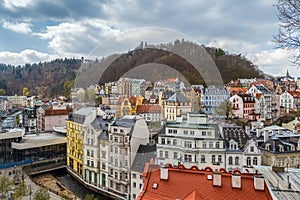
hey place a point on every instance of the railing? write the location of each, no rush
(48, 165)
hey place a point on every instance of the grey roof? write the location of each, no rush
(236, 133)
(125, 121)
(263, 89)
(177, 97)
(103, 136)
(144, 154)
(101, 124)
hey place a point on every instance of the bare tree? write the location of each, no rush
(288, 36)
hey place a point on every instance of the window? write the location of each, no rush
(92, 163)
(166, 154)
(174, 142)
(204, 145)
(192, 132)
(134, 184)
(185, 132)
(161, 154)
(116, 175)
(237, 160)
(203, 158)
(163, 141)
(188, 144)
(219, 158)
(255, 161)
(209, 133)
(251, 149)
(211, 145)
(248, 161)
(88, 152)
(213, 158)
(175, 155)
(187, 158)
(230, 160)
(126, 151)
(116, 162)
(103, 154)
(111, 184)
(169, 141)
(217, 145)
(116, 139)
(134, 175)
(116, 150)
(103, 166)
(203, 133)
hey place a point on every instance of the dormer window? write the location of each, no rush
(267, 147)
(293, 148)
(281, 148)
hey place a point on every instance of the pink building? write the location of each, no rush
(51, 117)
(243, 106)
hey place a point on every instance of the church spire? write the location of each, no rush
(287, 73)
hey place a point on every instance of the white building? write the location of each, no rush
(290, 101)
(126, 134)
(242, 152)
(191, 142)
(176, 105)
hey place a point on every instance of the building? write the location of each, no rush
(171, 183)
(145, 153)
(50, 117)
(242, 152)
(29, 120)
(17, 101)
(280, 147)
(76, 124)
(151, 113)
(126, 134)
(176, 105)
(290, 101)
(212, 97)
(191, 142)
(243, 106)
(264, 97)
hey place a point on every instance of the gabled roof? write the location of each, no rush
(236, 133)
(193, 184)
(295, 94)
(177, 97)
(148, 109)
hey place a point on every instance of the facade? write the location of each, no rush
(52, 116)
(176, 105)
(29, 120)
(76, 124)
(17, 101)
(212, 97)
(126, 134)
(171, 183)
(264, 97)
(151, 113)
(191, 142)
(243, 106)
(280, 147)
(242, 152)
(145, 153)
(290, 101)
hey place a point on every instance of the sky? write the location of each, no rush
(42, 30)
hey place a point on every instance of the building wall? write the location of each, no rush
(55, 120)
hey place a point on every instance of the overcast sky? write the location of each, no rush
(41, 30)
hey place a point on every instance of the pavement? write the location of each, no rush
(8, 172)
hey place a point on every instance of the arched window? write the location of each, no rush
(248, 161)
(230, 160)
(255, 161)
(237, 160)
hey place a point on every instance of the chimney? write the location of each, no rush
(259, 182)
(217, 179)
(236, 181)
(164, 175)
(266, 135)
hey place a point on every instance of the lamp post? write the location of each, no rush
(30, 192)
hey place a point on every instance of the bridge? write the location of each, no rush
(44, 166)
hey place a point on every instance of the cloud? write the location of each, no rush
(77, 37)
(25, 56)
(21, 27)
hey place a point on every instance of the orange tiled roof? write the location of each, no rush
(237, 90)
(52, 111)
(193, 184)
(295, 94)
(258, 95)
(148, 109)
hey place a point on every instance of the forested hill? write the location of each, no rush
(50, 79)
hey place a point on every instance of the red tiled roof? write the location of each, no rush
(148, 109)
(258, 95)
(295, 94)
(193, 184)
(52, 111)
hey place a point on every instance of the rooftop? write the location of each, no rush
(191, 184)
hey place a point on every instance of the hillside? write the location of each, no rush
(50, 79)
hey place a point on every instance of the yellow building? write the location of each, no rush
(75, 147)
